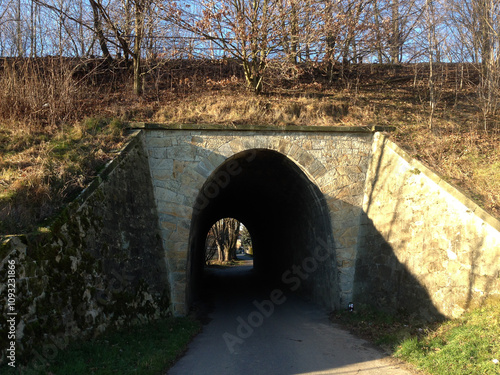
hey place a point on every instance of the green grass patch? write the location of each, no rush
(144, 350)
(466, 345)
(383, 329)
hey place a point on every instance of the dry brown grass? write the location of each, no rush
(39, 93)
(56, 126)
(40, 172)
(49, 148)
(235, 108)
(457, 148)
(469, 160)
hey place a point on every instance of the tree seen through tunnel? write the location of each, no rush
(225, 239)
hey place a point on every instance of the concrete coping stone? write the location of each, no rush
(454, 191)
(260, 128)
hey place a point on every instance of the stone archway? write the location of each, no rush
(286, 214)
(332, 165)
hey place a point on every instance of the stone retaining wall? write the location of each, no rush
(100, 264)
(402, 237)
(424, 246)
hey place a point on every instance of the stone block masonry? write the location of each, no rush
(423, 246)
(403, 237)
(99, 265)
(182, 160)
(399, 237)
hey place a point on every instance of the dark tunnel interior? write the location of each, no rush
(285, 213)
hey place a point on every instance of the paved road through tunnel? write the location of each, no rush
(255, 328)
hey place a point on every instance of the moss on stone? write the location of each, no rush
(79, 252)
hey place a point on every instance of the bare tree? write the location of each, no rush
(403, 16)
(246, 239)
(377, 29)
(223, 236)
(19, 29)
(431, 26)
(99, 31)
(477, 24)
(124, 21)
(210, 247)
(238, 27)
(291, 37)
(248, 30)
(125, 29)
(490, 67)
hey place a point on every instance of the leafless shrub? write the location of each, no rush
(38, 93)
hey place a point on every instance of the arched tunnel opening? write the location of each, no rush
(286, 215)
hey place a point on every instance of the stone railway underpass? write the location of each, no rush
(338, 214)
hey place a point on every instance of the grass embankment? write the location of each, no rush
(146, 350)
(457, 147)
(49, 151)
(466, 345)
(61, 120)
(40, 171)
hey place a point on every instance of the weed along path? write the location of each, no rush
(254, 331)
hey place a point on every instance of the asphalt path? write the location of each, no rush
(257, 330)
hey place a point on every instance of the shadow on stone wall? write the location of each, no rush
(422, 246)
(381, 280)
(99, 265)
(384, 283)
(288, 217)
